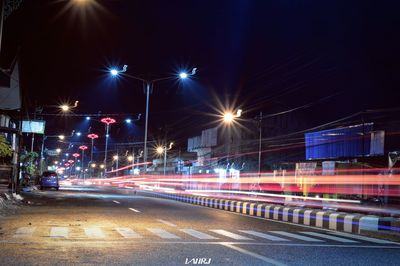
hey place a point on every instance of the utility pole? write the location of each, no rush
(259, 146)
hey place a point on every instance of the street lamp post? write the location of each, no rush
(107, 121)
(116, 159)
(148, 83)
(75, 155)
(92, 136)
(164, 149)
(83, 148)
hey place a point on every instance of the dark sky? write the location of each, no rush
(258, 55)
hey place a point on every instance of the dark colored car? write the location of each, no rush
(49, 179)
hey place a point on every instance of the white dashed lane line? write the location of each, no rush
(116, 201)
(134, 210)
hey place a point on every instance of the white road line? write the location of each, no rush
(335, 238)
(116, 201)
(59, 232)
(197, 234)
(132, 209)
(166, 222)
(262, 235)
(230, 235)
(304, 238)
(128, 233)
(162, 233)
(254, 255)
(24, 231)
(364, 238)
(94, 232)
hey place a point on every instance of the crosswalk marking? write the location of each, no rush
(282, 236)
(304, 238)
(162, 233)
(230, 235)
(128, 233)
(335, 238)
(263, 235)
(24, 231)
(59, 232)
(166, 222)
(364, 238)
(132, 209)
(94, 232)
(197, 234)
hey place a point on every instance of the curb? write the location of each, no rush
(339, 221)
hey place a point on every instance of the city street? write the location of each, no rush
(88, 225)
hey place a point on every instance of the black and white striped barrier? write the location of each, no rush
(339, 221)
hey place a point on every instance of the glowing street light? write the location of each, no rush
(58, 150)
(183, 75)
(228, 117)
(102, 166)
(130, 158)
(107, 121)
(148, 84)
(64, 108)
(93, 165)
(61, 137)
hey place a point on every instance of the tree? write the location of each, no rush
(28, 163)
(5, 148)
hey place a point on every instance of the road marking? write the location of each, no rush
(59, 232)
(162, 233)
(132, 209)
(230, 235)
(335, 238)
(304, 238)
(94, 232)
(116, 201)
(255, 255)
(262, 235)
(365, 238)
(24, 231)
(197, 234)
(128, 233)
(166, 222)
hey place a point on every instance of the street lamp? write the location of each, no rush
(148, 83)
(163, 149)
(61, 137)
(107, 121)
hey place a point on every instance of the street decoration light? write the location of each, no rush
(107, 121)
(148, 84)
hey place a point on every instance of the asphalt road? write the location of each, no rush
(86, 226)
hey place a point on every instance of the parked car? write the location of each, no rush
(49, 179)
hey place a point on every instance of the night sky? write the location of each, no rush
(262, 55)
